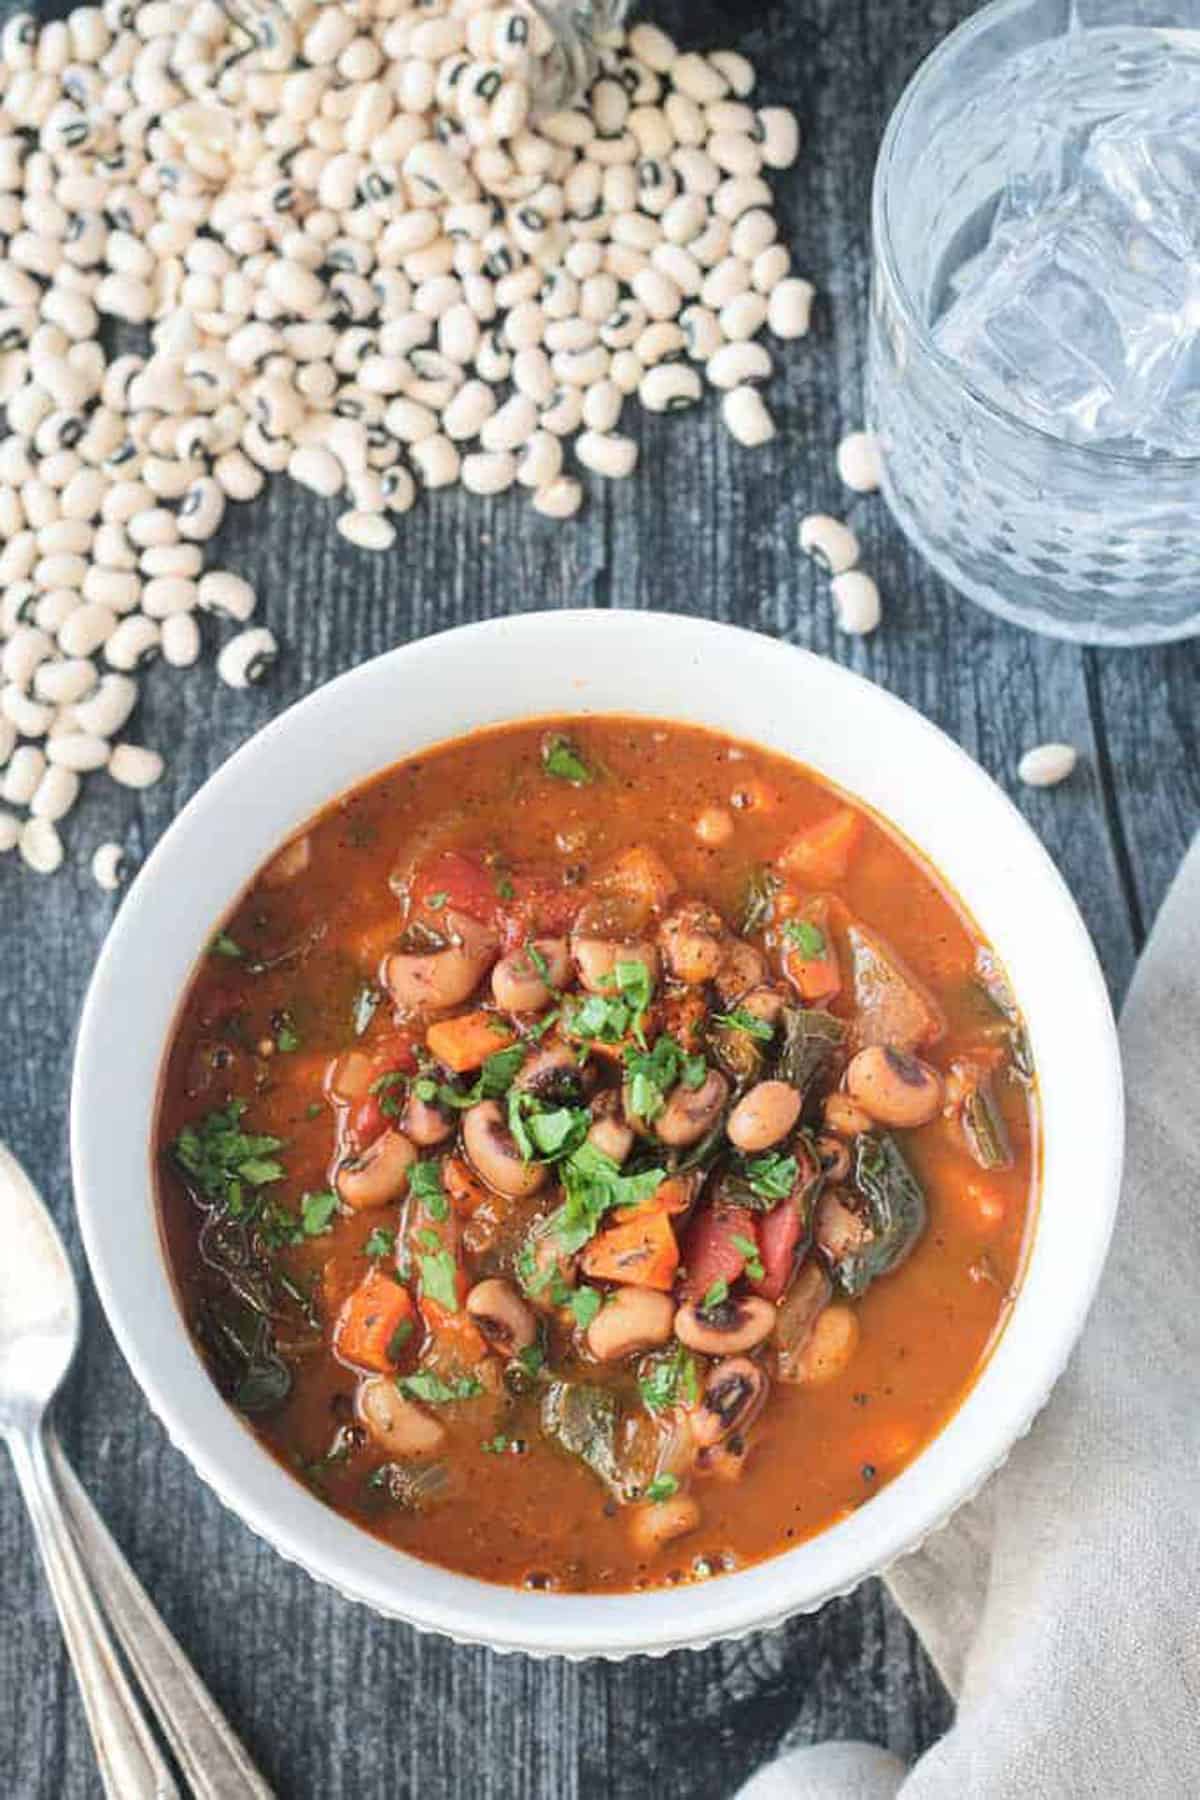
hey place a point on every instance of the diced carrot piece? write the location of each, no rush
(816, 976)
(643, 875)
(641, 1254)
(466, 1042)
(672, 1196)
(821, 854)
(467, 1193)
(376, 1323)
(456, 1332)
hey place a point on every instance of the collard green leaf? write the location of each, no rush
(583, 1418)
(896, 1211)
(810, 1039)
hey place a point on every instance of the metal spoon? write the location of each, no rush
(39, 1331)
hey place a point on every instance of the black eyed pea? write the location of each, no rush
(658, 1523)
(596, 960)
(438, 978)
(690, 1114)
(396, 1424)
(845, 1117)
(829, 542)
(733, 1397)
(692, 943)
(426, 1124)
(894, 1088)
(525, 980)
(379, 1175)
(732, 1328)
(493, 1154)
(609, 1132)
(833, 1341)
(764, 1116)
(631, 1320)
(502, 1316)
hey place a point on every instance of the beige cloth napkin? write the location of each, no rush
(1062, 1607)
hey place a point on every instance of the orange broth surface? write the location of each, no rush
(293, 983)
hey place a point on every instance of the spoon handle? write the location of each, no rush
(131, 1766)
(212, 1759)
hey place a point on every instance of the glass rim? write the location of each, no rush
(882, 245)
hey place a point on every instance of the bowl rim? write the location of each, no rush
(271, 1501)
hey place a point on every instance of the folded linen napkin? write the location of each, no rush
(1062, 1607)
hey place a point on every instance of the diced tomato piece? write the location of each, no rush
(395, 1050)
(779, 1235)
(377, 1324)
(450, 880)
(537, 906)
(709, 1252)
(365, 1122)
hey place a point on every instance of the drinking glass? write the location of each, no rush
(1078, 540)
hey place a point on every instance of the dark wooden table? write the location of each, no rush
(334, 1703)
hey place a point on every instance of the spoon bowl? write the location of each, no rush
(39, 1301)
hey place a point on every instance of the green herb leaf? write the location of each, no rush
(425, 1186)
(652, 1074)
(390, 1089)
(313, 1110)
(562, 760)
(585, 1303)
(495, 1446)
(222, 1159)
(805, 937)
(538, 964)
(716, 1296)
(532, 1359)
(381, 1243)
(546, 1132)
(505, 889)
(749, 1249)
(439, 1277)
(224, 945)
(431, 1388)
(741, 1020)
(435, 902)
(316, 1213)
(287, 1038)
(662, 1488)
(669, 1380)
(398, 1339)
(593, 1184)
(772, 1176)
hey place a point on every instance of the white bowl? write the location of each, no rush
(614, 662)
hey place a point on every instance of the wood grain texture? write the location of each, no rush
(335, 1704)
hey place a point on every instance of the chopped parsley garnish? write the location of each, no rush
(224, 945)
(497, 1075)
(662, 1488)
(363, 1010)
(439, 1274)
(611, 1017)
(650, 1076)
(398, 1339)
(669, 1380)
(545, 1132)
(389, 1090)
(716, 1296)
(223, 1160)
(313, 1110)
(287, 1038)
(741, 1020)
(538, 964)
(382, 1242)
(561, 759)
(425, 1186)
(532, 1359)
(772, 1176)
(749, 1249)
(427, 1386)
(505, 889)
(435, 902)
(316, 1213)
(808, 939)
(585, 1303)
(497, 1445)
(593, 1184)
